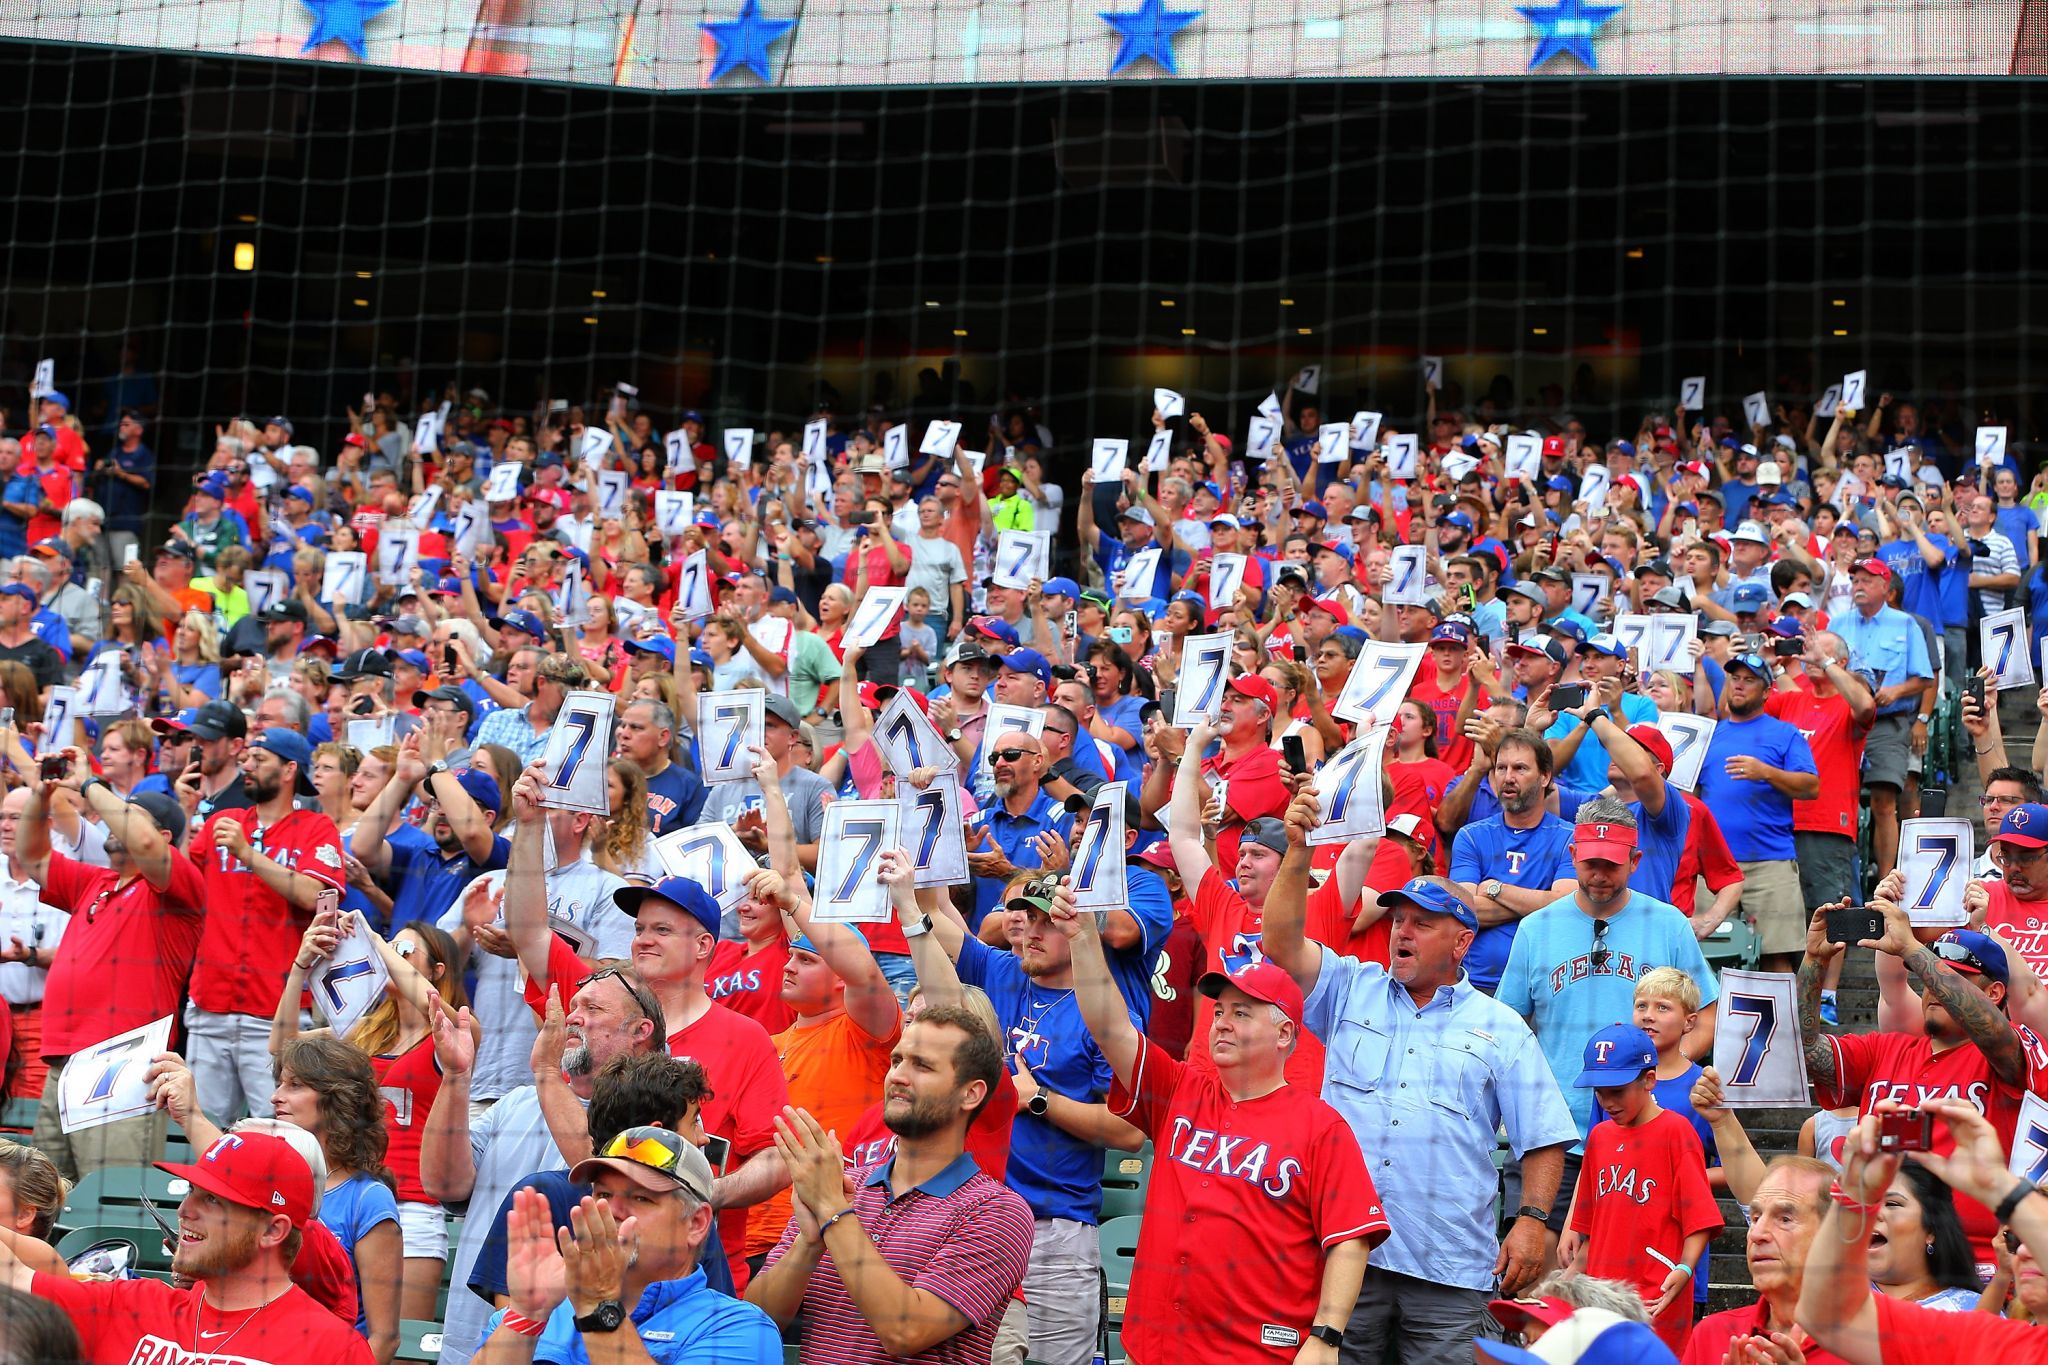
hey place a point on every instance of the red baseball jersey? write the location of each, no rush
(251, 932)
(147, 1320)
(1644, 1190)
(751, 983)
(1871, 1067)
(1230, 931)
(2023, 923)
(748, 1090)
(1254, 789)
(1245, 1199)
(408, 1082)
(1837, 743)
(1451, 744)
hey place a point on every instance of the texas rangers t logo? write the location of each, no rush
(1601, 1047)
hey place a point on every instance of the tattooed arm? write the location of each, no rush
(1820, 1055)
(1981, 1021)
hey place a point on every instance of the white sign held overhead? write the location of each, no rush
(1593, 486)
(1853, 385)
(613, 485)
(1897, 464)
(1757, 408)
(100, 688)
(1757, 1048)
(1005, 718)
(1692, 393)
(266, 588)
(934, 830)
(908, 739)
(2003, 635)
(420, 511)
(1590, 592)
(1107, 456)
(573, 767)
(1365, 430)
(503, 483)
(398, 553)
(1830, 401)
(710, 855)
(1159, 453)
(472, 524)
(1379, 680)
(1632, 628)
(1141, 574)
(1269, 408)
(345, 578)
(816, 436)
(854, 835)
(1525, 456)
(1260, 435)
(681, 459)
(45, 380)
(673, 512)
(595, 446)
(1432, 372)
(1350, 800)
(1404, 459)
(1991, 444)
(349, 982)
(1936, 856)
(2029, 1159)
(896, 447)
(693, 587)
(1016, 559)
(1168, 403)
(1097, 875)
(1689, 735)
(106, 1083)
(1333, 441)
(426, 434)
(1407, 577)
(1309, 378)
(1199, 684)
(1226, 576)
(939, 439)
(739, 447)
(61, 709)
(1671, 640)
(877, 608)
(728, 725)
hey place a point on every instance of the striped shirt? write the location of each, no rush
(959, 1236)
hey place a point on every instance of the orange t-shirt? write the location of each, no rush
(835, 1071)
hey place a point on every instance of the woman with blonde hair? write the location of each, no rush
(195, 661)
(624, 849)
(32, 1194)
(1672, 691)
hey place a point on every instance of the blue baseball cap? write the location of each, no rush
(1060, 587)
(1755, 663)
(1211, 487)
(1312, 508)
(1623, 448)
(1450, 632)
(702, 659)
(214, 486)
(1457, 518)
(301, 492)
(1785, 627)
(1028, 661)
(23, 591)
(291, 746)
(53, 396)
(802, 944)
(779, 594)
(417, 658)
(548, 459)
(1966, 950)
(1587, 1336)
(1558, 482)
(522, 620)
(684, 894)
(1750, 597)
(1342, 552)
(481, 788)
(1426, 894)
(1616, 1055)
(992, 628)
(1608, 645)
(1352, 633)
(659, 645)
(1572, 626)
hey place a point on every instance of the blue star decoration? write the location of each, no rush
(341, 21)
(1148, 33)
(744, 42)
(1567, 27)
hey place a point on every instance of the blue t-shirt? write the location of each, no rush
(24, 490)
(2017, 524)
(1919, 585)
(487, 1272)
(1736, 495)
(1755, 817)
(1551, 980)
(1534, 859)
(675, 798)
(407, 835)
(677, 1321)
(205, 677)
(1676, 1095)
(1111, 553)
(350, 1210)
(427, 883)
(1058, 1174)
(1662, 841)
(1588, 767)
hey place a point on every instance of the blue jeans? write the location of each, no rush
(902, 976)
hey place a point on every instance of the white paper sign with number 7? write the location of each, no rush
(1991, 445)
(693, 587)
(1379, 680)
(2029, 1160)
(1226, 576)
(1689, 735)
(503, 484)
(1852, 389)
(573, 767)
(1692, 393)
(909, 740)
(1589, 591)
(878, 607)
(728, 724)
(398, 554)
(1757, 1048)
(348, 983)
(672, 511)
(1107, 457)
(939, 439)
(105, 1083)
(854, 834)
(2004, 635)
(934, 830)
(1670, 643)
(1204, 670)
(1407, 577)
(1097, 875)
(1350, 802)
(61, 710)
(1936, 856)
(346, 578)
(1016, 559)
(710, 855)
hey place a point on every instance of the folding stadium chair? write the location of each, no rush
(1125, 1176)
(113, 1196)
(19, 1116)
(1118, 1239)
(418, 1340)
(1734, 944)
(141, 1249)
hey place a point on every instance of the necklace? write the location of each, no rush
(199, 1319)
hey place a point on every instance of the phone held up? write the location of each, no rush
(1852, 924)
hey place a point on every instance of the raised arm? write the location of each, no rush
(870, 1001)
(1284, 938)
(1095, 990)
(526, 887)
(1184, 810)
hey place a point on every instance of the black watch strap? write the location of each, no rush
(2003, 1213)
(1329, 1336)
(608, 1316)
(1531, 1211)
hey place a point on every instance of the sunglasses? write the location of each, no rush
(662, 1153)
(2012, 1241)
(1012, 755)
(1600, 953)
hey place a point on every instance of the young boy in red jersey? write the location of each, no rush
(1643, 1210)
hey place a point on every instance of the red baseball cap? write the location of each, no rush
(1514, 1314)
(1332, 606)
(1875, 567)
(1607, 842)
(256, 1170)
(1263, 982)
(554, 496)
(1651, 738)
(1257, 688)
(1553, 445)
(1160, 855)
(875, 696)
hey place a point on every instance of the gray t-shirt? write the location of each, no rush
(508, 1143)
(804, 790)
(935, 566)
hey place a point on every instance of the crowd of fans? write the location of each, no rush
(1438, 1089)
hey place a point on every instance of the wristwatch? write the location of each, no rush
(1491, 888)
(1329, 1336)
(608, 1316)
(953, 735)
(437, 767)
(1531, 1211)
(919, 929)
(1037, 1105)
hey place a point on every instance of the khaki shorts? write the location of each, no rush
(1772, 900)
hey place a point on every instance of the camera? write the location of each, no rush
(52, 768)
(1567, 696)
(1906, 1130)
(861, 518)
(1788, 649)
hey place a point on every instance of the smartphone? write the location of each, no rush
(1073, 624)
(1301, 654)
(448, 664)
(1293, 753)
(6, 715)
(717, 1151)
(1788, 649)
(131, 555)
(328, 898)
(1974, 689)
(861, 518)
(1852, 924)
(1905, 1130)
(1933, 802)
(1567, 696)
(51, 769)
(1120, 635)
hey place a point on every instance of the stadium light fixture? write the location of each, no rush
(1166, 303)
(590, 322)
(959, 331)
(1187, 331)
(362, 303)
(245, 217)
(598, 294)
(1839, 303)
(1841, 331)
(245, 255)
(1539, 331)
(1287, 303)
(363, 274)
(1304, 331)
(931, 303)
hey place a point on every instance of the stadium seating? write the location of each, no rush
(145, 1244)
(113, 1196)
(1125, 1176)
(418, 1340)
(1733, 944)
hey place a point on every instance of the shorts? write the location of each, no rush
(1827, 868)
(1887, 750)
(1772, 900)
(424, 1228)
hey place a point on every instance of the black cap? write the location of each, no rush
(454, 694)
(291, 609)
(364, 663)
(219, 720)
(179, 549)
(166, 812)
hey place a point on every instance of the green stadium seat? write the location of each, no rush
(19, 1116)
(1733, 944)
(1118, 1239)
(145, 1245)
(1125, 1177)
(418, 1340)
(113, 1196)
(790, 1353)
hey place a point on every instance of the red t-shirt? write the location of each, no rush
(1644, 1189)
(59, 489)
(2024, 923)
(1712, 1334)
(325, 1270)
(1230, 931)
(1837, 743)
(988, 1136)
(1278, 1179)
(408, 1082)
(1172, 1022)
(880, 575)
(1255, 789)
(1905, 1067)
(125, 954)
(252, 933)
(1913, 1335)
(1706, 855)
(748, 1092)
(1419, 789)
(751, 983)
(129, 1322)
(1451, 744)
